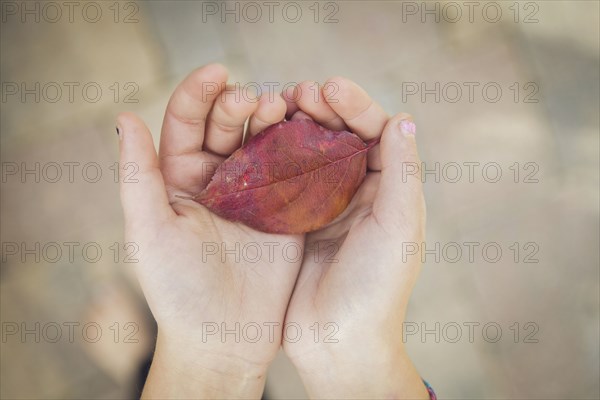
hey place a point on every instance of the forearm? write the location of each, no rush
(180, 372)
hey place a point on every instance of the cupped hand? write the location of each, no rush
(218, 290)
(354, 284)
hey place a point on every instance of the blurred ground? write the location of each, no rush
(545, 119)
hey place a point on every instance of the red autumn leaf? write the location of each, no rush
(293, 177)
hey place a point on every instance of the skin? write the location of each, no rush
(191, 293)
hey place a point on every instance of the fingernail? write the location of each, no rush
(408, 127)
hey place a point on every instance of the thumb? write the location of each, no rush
(399, 199)
(143, 195)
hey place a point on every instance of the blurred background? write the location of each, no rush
(506, 99)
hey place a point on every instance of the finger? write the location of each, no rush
(185, 118)
(188, 174)
(143, 194)
(182, 163)
(300, 115)
(361, 114)
(271, 110)
(365, 117)
(225, 125)
(290, 96)
(399, 199)
(312, 102)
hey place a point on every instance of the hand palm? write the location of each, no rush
(355, 264)
(199, 272)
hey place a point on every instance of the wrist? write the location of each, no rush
(352, 372)
(182, 370)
